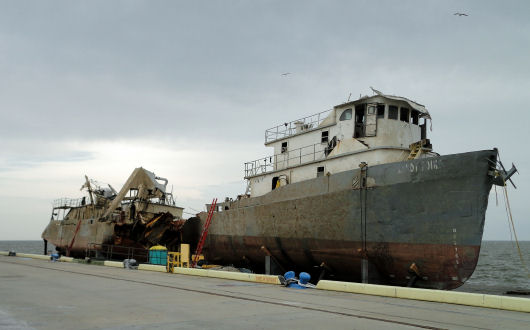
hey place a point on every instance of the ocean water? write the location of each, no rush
(35, 247)
(499, 267)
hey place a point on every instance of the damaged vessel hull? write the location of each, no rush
(60, 235)
(425, 214)
(142, 214)
(95, 235)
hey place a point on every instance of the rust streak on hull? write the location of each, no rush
(429, 212)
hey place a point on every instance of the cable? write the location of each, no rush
(514, 233)
(508, 217)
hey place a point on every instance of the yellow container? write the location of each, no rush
(158, 247)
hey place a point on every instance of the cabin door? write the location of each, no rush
(371, 120)
(360, 111)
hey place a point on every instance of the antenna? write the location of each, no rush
(191, 208)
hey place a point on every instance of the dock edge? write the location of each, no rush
(449, 297)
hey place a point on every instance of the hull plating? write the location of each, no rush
(429, 212)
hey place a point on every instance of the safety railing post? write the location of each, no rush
(300, 155)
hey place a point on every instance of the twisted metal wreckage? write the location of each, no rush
(140, 215)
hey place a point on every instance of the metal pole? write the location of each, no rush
(362, 194)
(364, 269)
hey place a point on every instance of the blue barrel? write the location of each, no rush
(158, 255)
(288, 275)
(304, 278)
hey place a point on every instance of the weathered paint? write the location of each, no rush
(427, 211)
(305, 169)
(139, 220)
(387, 140)
(61, 233)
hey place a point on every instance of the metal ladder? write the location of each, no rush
(204, 233)
(73, 238)
(415, 151)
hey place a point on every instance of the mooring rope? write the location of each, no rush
(507, 213)
(510, 218)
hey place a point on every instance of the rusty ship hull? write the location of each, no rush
(61, 235)
(118, 238)
(142, 214)
(422, 218)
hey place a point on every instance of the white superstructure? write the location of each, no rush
(375, 130)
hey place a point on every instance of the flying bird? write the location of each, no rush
(285, 74)
(460, 14)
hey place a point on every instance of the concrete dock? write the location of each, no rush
(44, 295)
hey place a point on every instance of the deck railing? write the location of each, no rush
(116, 252)
(295, 126)
(287, 159)
(64, 203)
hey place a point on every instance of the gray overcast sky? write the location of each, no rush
(186, 89)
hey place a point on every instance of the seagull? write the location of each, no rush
(460, 14)
(285, 74)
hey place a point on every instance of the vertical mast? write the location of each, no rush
(89, 190)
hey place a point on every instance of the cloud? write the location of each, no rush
(186, 90)
(190, 169)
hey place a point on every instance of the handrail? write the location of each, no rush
(287, 159)
(68, 202)
(116, 252)
(296, 126)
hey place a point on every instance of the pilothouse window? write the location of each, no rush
(380, 111)
(414, 117)
(392, 112)
(404, 115)
(346, 115)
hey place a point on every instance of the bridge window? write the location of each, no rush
(346, 115)
(404, 115)
(414, 117)
(380, 111)
(325, 136)
(392, 112)
(284, 147)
